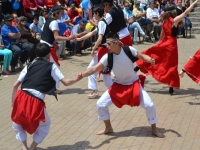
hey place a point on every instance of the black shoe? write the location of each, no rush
(13, 69)
(136, 43)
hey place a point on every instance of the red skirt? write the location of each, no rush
(165, 69)
(28, 111)
(125, 94)
(192, 67)
(127, 41)
(101, 51)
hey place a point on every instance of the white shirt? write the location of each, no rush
(122, 33)
(122, 67)
(101, 28)
(152, 13)
(55, 73)
(53, 26)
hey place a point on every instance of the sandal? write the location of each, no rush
(93, 95)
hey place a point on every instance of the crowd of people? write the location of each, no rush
(43, 43)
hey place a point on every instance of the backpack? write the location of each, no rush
(108, 68)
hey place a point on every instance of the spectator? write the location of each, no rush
(170, 2)
(50, 3)
(133, 26)
(7, 57)
(43, 17)
(35, 28)
(41, 4)
(14, 21)
(30, 9)
(79, 30)
(73, 14)
(65, 19)
(11, 38)
(154, 16)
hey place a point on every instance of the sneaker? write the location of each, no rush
(136, 43)
(151, 33)
(146, 37)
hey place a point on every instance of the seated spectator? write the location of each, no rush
(50, 3)
(14, 21)
(73, 14)
(154, 16)
(11, 38)
(30, 9)
(132, 25)
(79, 31)
(170, 2)
(7, 57)
(65, 19)
(140, 16)
(41, 4)
(35, 28)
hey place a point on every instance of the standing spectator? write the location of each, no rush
(79, 30)
(154, 16)
(73, 14)
(11, 36)
(14, 21)
(43, 17)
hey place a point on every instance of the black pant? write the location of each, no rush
(78, 47)
(22, 50)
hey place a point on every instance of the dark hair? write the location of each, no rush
(42, 50)
(112, 35)
(170, 11)
(82, 21)
(35, 17)
(99, 9)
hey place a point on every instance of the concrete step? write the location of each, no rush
(195, 24)
(196, 9)
(194, 19)
(194, 14)
(195, 30)
(198, 4)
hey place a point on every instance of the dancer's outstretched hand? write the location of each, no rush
(152, 61)
(79, 76)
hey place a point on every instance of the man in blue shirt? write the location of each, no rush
(11, 38)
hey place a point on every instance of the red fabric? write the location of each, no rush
(142, 80)
(27, 111)
(165, 53)
(72, 15)
(54, 57)
(27, 4)
(127, 41)
(101, 51)
(192, 67)
(77, 3)
(125, 94)
(50, 3)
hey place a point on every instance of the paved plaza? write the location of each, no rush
(74, 121)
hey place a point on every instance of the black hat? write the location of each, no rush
(57, 8)
(8, 17)
(107, 1)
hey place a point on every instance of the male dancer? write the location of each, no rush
(50, 33)
(100, 44)
(116, 20)
(29, 112)
(126, 90)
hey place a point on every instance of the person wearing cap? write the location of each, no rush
(11, 38)
(50, 33)
(126, 89)
(73, 14)
(116, 20)
(29, 114)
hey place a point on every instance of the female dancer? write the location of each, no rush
(165, 52)
(191, 68)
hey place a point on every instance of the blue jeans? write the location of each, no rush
(136, 27)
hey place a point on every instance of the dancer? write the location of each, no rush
(116, 20)
(29, 112)
(100, 44)
(191, 68)
(126, 90)
(50, 33)
(165, 52)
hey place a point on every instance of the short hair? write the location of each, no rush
(35, 17)
(83, 21)
(42, 50)
(112, 35)
(99, 9)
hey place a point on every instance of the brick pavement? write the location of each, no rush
(74, 118)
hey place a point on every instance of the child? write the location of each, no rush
(35, 28)
(29, 112)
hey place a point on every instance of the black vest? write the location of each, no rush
(118, 22)
(106, 32)
(38, 77)
(47, 34)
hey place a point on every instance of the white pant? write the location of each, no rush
(61, 50)
(145, 102)
(39, 135)
(92, 83)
